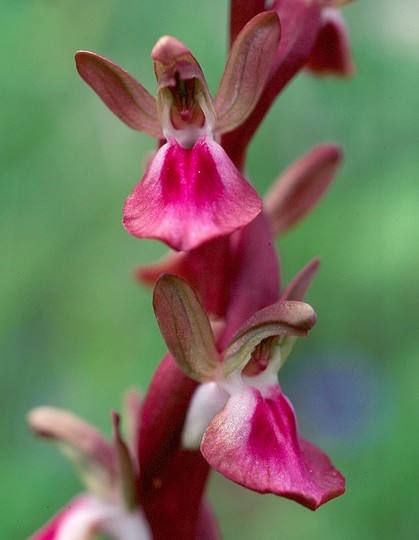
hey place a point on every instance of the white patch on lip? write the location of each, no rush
(187, 136)
(207, 401)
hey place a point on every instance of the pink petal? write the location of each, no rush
(185, 328)
(254, 442)
(189, 196)
(247, 70)
(120, 91)
(301, 186)
(300, 20)
(331, 53)
(297, 288)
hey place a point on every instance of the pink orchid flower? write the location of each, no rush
(110, 505)
(244, 425)
(191, 191)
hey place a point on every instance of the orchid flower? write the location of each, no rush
(191, 191)
(110, 505)
(244, 425)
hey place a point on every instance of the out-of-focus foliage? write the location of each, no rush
(75, 328)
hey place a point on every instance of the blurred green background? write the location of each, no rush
(76, 330)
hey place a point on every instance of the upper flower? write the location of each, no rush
(191, 191)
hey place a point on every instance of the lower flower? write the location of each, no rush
(244, 425)
(110, 504)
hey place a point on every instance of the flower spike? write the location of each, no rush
(215, 400)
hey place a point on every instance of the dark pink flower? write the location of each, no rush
(191, 191)
(238, 416)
